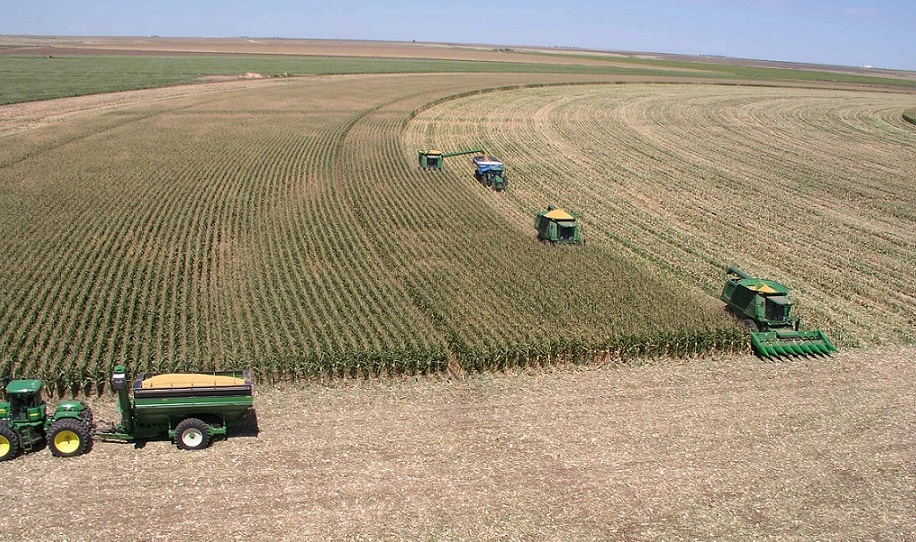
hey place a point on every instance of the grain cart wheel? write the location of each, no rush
(192, 434)
(68, 437)
(9, 442)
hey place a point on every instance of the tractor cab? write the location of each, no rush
(25, 404)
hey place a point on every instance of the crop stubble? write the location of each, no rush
(726, 449)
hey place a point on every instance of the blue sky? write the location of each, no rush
(853, 33)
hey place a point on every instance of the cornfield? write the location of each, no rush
(286, 228)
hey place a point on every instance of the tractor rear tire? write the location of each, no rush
(86, 415)
(192, 434)
(9, 442)
(68, 437)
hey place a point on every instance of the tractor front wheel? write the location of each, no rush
(192, 434)
(9, 442)
(68, 437)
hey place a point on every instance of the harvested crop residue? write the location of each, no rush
(714, 449)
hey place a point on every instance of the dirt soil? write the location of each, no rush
(712, 449)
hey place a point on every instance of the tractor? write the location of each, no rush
(490, 172)
(25, 425)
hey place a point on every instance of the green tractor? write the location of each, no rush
(765, 305)
(25, 425)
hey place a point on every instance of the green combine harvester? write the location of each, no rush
(557, 226)
(765, 304)
(435, 159)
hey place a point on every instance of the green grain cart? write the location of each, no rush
(189, 409)
(765, 305)
(25, 425)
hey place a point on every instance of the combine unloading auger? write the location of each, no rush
(766, 304)
(488, 170)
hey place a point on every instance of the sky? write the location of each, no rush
(881, 34)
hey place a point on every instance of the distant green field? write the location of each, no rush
(30, 78)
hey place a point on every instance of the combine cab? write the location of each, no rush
(766, 305)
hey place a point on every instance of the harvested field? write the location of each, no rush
(718, 449)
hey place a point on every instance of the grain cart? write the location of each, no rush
(25, 424)
(557, 226)
(189, 409)
(490, 172)
(766, 306)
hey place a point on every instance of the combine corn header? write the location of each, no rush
(488, 170)
(766, 305)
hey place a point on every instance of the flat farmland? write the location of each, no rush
(42, 68)
(426, 370)
(723, 448)
(284, 226)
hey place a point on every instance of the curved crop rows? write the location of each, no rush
(285, 227)
(812, 187)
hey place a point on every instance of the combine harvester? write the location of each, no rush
(765, 304)
(557, 226)
(488, 170)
